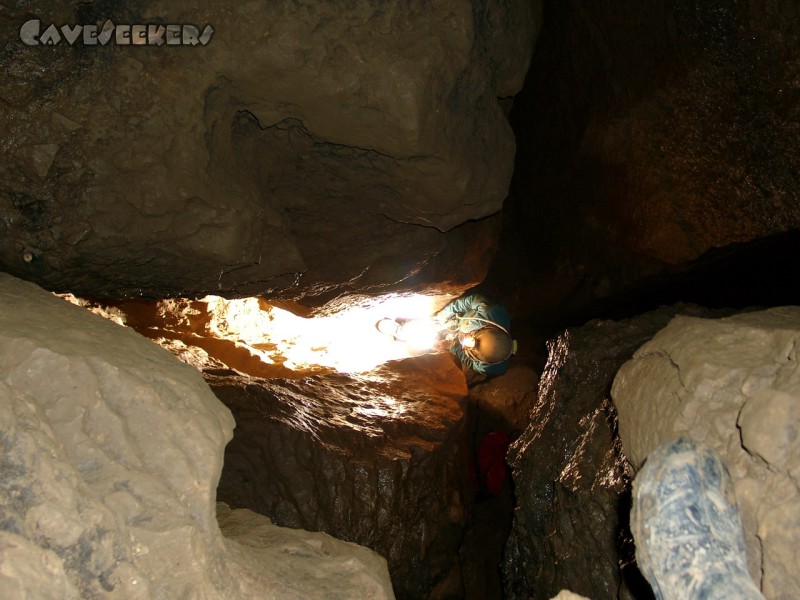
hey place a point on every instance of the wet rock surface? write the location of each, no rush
(732, 384)
(498, 411)
(298, 135)
(571, 476)
(379, 460)
(111, 452)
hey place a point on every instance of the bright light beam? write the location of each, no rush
(421, 334)
(346, 341)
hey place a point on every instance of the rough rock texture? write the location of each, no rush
(307, 564)
(504, 403)
(300, 134)
(567, 595)
(110, 453)
(648, 135)
(352, 455)
(733, 384)
(572, 480)
(379, 460)
(498, 405)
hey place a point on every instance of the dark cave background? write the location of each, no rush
(656, 161)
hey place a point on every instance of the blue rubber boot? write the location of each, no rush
(687, 528)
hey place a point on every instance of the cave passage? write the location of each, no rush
(262, 339)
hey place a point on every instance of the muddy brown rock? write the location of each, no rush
(571, 476)
(379, 460)
(110, 452)
(498, 409)
(298, 134)
(732, 384)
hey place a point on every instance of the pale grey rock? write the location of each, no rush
(110, 451)
(733, 384)
(567, 595)
(321, 566)
(28, 571)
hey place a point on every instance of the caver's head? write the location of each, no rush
(490, 345)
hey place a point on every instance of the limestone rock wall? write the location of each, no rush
(733, 384)
(379, 460)
(110, 452)
(571, 475)
(299, 564)
(300, 132)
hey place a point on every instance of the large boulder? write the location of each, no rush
(298, 135)
(111, 451)
(733, 384)
(376, 455)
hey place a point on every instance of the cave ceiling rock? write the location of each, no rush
(732, 384)
(139, 171)
(111, 454)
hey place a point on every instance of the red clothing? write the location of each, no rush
(492, 468)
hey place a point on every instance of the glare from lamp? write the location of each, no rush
(346, 341)
(420, 334)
